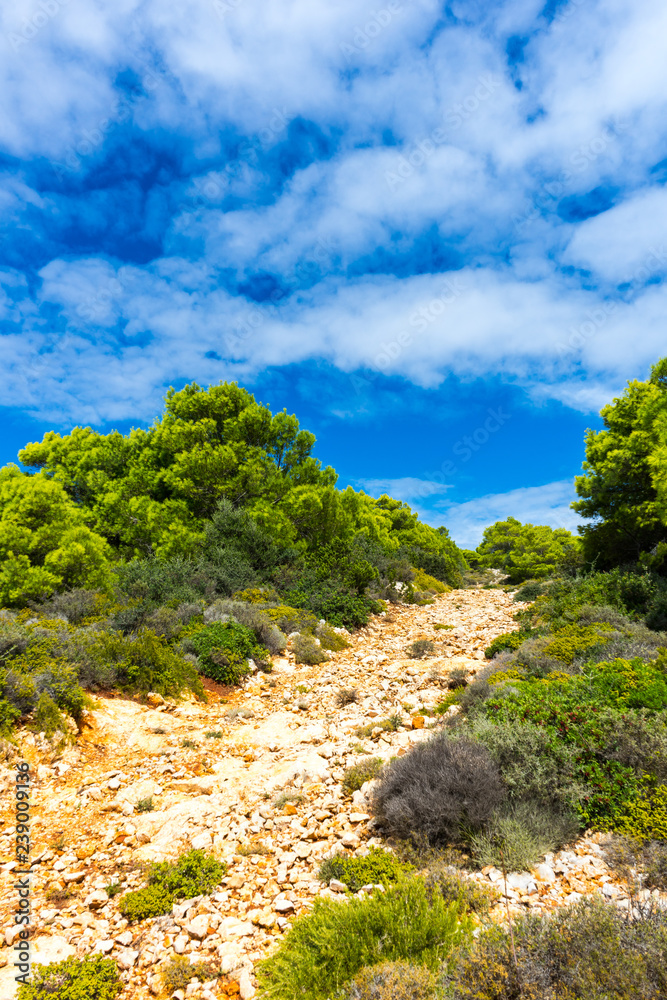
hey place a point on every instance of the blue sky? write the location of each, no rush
(435, 231)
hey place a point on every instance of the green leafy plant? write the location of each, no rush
(421, 648)
(378, 867)
(224, 649)
(325, 949)
(180, 972)
(145, 805)
(307, 650)
(193, 874)
(516, 838)
(88, 978)
(355, 776)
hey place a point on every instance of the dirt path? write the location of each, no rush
(214, 773)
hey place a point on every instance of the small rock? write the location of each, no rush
(283, 905)
(127, 958)
(337, 886)
(246, 989)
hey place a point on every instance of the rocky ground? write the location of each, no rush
(255, 778)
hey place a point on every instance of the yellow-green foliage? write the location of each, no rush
(571, 641)
(291, 619)
(645, 818)
(329, 639)
(256, 595)
(422, 581)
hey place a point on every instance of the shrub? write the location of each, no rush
(75, 605)
(534, 763)
(194, 874)
(530, 590)
(645, 816)
(73, 979)
(421, 648)
(422, 581)
(390, 725)
(588, 950)
(456, 888)
(145, 805)
(144, 662)
(346, 696)
(307, 650)
(520, 835)
(326, 948)
(224, 648)
(379, 867)
(47, 717)
(330, 639)
(508, 640)
(180, 972)
(366, 770)
(641, 864)
(438, 789)
(393, 981)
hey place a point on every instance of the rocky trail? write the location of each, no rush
(253, 777)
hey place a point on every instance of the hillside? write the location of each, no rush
(269, 782)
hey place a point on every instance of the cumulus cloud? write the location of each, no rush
(205, 191)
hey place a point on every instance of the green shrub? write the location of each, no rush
(438, 789)
(145, 805)
(194, 874)
(224, 648)
(325, 949)
(508, 640)
(389, 725)
(366, 770)
(530, 590)
(589, 951)
(47, 717)
(144, 662)
(520, 835)
(73, 979)
(307, 650)
(422, 581)
(379, 867)
(645, 816)
(331, 640)
(393, 981)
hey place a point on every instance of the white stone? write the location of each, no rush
(127, 958)
(202, 841)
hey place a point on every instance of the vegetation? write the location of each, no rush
(73, 979)
(586, 950)
(378, 867)
(358, 774)
(326, 948)
(194, 874)
(526, 551)
(623, 489)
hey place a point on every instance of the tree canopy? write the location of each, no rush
(168, 492)
(527, 551)
(623, 489)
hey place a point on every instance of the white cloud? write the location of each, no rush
(627, 243)
(407, 488)
(548, 504)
